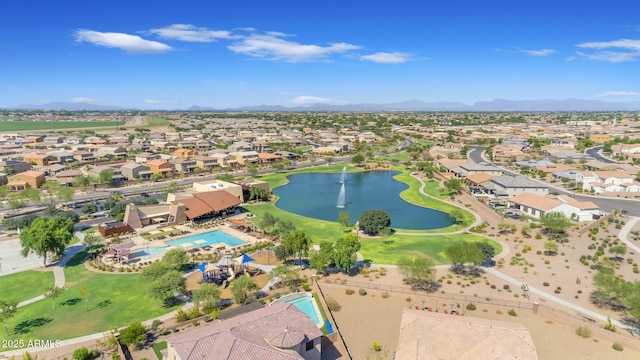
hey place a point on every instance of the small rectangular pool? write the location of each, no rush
(306, 304)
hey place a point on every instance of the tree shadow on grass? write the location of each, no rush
(70, 302)
(26, 326)
(77, 259)
(103, 304)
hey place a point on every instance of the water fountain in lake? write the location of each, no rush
(341, 197)
(343, 176)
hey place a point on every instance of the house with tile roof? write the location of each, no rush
(430, 335)
(536, 206)
(277, 332)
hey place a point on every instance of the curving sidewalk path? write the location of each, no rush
(624, 234)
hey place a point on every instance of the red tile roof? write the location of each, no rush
(208, 202)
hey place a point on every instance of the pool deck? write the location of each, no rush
(223, 226)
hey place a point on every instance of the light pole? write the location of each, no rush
(451, 307)
(423, 301)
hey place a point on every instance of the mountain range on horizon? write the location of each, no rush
(502, 105)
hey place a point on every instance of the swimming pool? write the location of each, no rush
(306, 304)
(192, 241)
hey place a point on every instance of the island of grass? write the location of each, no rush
(416, 243)
(25, 285)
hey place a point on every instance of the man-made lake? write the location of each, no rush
(316, 196)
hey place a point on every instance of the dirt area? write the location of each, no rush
(376, 317)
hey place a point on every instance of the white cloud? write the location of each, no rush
(83, 100)
(190, 33)
(619, 93)
(540, 52)
(273, 46)
(305, 99)
(624, 50)
(130, 43)
(387, 58)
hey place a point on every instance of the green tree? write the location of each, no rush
(461, 253)
(267, 222)
(488, 252)
(550, 248)
(345, 251)
(321, 259)
(8, 309)
(106, 176)
(610, 289)
(207, 296)
(372, 221)
(278, 167)
(176, 258)
(173, 187)
(4, 190)
(155, 270)
(241, 287)
(30, 194)
(358, 159)
(555, 222)
(618, 251)
(81, 180)
(133, 334)
(46, 236)
(169, 284)
(418, 272)
(53, 293)
(454, 185)
(88, 209)
(287, 274)
(343, 218)
(457, 215)
(298, 243)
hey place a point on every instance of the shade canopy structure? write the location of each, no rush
(211, 267)
(226, 261)
(243, 259)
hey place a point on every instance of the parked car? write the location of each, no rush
(144, 194)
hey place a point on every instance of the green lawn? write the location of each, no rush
(317, 230)
(114, 300)
(157, 347)
(395, 246)
(25, 285)
(58, 125)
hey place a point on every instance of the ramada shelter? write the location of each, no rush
(189, 207)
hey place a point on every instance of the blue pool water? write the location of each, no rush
(306, 305)
(210, 238)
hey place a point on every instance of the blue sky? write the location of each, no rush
(174, 54)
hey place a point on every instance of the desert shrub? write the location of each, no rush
(277, 295)
(81, 354)
(376, 346)
(362, 292)
(618, 346)
(333, 304)
(155, 324)
(512, 313)
(505, 286)
(471, 306)
(609, 325)
(349, 291)
(385, 295)
(583, 331)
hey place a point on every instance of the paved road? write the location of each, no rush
(624, 234)
(595, 152)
